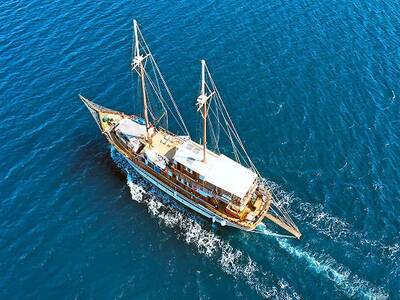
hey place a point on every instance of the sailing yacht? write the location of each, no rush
(229, 191)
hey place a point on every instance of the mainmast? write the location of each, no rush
(202, 105)
(203, 93)
(137, 64)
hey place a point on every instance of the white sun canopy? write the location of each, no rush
(218, 170)
(131, 129)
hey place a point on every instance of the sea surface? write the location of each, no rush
(314, 88)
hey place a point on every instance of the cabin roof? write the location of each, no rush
(164, 143)
(218, 170)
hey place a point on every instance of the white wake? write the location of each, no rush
(241, 266)
(232, 261)
(338, 231)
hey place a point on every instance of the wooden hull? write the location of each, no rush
(180, 194)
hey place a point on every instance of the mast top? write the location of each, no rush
(138, 58)
(203, 97)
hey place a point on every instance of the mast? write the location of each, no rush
(138, 64)
(202, 105)
(145, 110)
(203, 87)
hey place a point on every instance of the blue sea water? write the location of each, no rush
(313, 87)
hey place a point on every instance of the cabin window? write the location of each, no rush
(204, 193)
(169, 173)
(175, 163)
(201, 177)
(227, 197)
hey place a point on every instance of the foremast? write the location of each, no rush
(137, 65)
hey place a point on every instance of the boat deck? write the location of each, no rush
(164, 143)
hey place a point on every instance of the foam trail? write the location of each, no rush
(341, 276)
(336, 229)
(232, 261)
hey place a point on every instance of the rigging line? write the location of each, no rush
(137, 102)
(282, 211)
(283, 215)
(164, 83)
(232, 128)
(149, 103)
(236, 135)
(155, 75)
(287, 217)
(134, 99)
(154, 90)
(234, 148)
(159, 89)
(172, 100)
(218, 127)
(230, 121)
(152, 110)
(215, 141)
(280, 207)
(146, 48)
(226, 131)
(164, 103)
(216, 115)
(158, 120)
(284, 219)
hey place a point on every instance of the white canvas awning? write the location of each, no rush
(218, 170)
(131, 129)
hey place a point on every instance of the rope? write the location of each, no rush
(159, 84)
(155, 85)
(240, 151)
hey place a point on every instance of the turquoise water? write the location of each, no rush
(314, 87)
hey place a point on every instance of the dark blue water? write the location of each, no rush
(314, 87)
